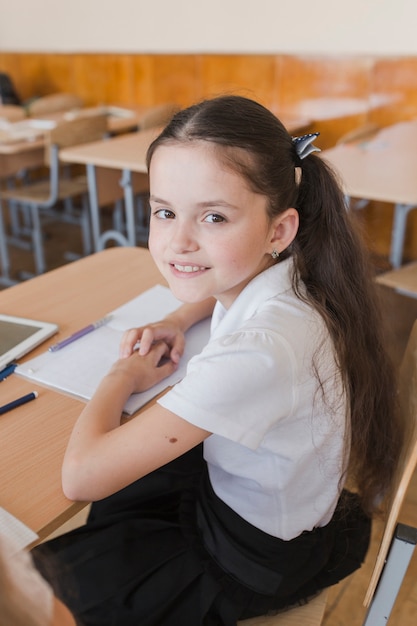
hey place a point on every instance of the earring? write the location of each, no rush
(274, 254)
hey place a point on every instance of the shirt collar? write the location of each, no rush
(268, 284)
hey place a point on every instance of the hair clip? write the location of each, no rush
(304, 144)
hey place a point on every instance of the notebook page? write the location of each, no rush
(78, 368)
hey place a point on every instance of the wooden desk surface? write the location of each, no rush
(403, 280)
(383, 168)
(17, 146)
(29, 133)
(327, 108)
(119, 119)
(129, 151)
(125, 152)
(34, 436)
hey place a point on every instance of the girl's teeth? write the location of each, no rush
(188, 268)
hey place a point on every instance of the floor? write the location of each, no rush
(345, 600)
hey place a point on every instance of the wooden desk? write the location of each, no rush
(126, 153)
(384, 169)
(327, 108)
(403, 280)
(34, 436)
(119, 119)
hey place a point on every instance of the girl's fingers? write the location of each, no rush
(147, 339)
(129, 339)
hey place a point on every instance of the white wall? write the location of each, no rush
(381, 27)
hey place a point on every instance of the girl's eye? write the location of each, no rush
(214, 218)
(164, 214)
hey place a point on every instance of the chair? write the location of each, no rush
(40, 198)
(158, 115)
(12, 113)
(398, 541)
(53, 103)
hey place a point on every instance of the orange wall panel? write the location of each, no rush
(281, 82)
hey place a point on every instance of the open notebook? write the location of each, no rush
(78, 368)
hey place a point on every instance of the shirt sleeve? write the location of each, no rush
(27, 588)
(238, 387)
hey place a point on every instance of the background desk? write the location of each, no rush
(34, 437)
(384, 169)
(403, 280)
(126, 153)
(20, 155)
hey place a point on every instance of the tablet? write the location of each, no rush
(19, 335)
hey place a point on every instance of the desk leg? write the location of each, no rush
(94, 207)
(126, 183)
(4, 255)
(114, 235)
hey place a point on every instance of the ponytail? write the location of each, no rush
(332, 262)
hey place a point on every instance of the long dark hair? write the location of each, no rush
(330, 261)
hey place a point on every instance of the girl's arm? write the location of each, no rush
(104, 455)
(171, 330)
(61, 615)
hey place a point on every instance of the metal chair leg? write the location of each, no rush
(38, 251)
(4, 254)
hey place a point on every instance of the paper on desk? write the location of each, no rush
(19, 535)
(78, 368)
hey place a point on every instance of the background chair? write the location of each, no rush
(43, 197)
(398, 541)
(53, 103)
(12, 113)
(158, 115)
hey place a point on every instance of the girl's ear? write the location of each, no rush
(284, 230)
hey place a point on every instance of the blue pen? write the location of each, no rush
(9, 369)
(18, 402)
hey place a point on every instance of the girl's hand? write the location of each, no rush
(167, 330)
(138, 372)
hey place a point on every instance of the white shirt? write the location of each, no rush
(26, 588)
(276, 452)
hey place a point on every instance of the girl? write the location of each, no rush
(226, 499)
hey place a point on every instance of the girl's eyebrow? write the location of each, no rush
(158, 200)
(201, 205)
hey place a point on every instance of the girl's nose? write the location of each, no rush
(183, 239)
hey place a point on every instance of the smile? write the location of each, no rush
(188, 269)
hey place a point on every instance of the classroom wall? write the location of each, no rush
(220, 26)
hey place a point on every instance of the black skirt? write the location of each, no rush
(166, 551)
